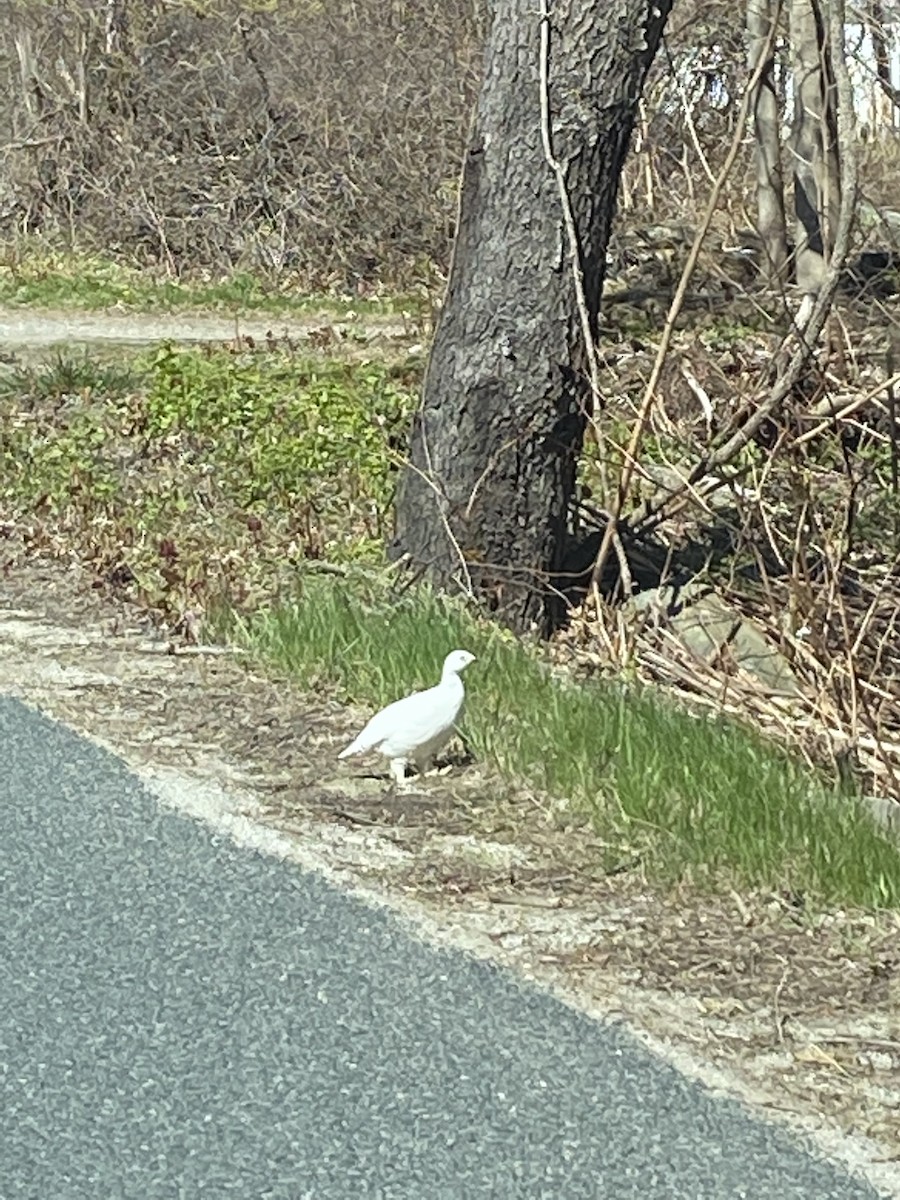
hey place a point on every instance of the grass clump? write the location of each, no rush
(32, 273)
(697, 798)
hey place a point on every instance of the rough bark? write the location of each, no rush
(486, 500)
(817, 197)
(762, 16)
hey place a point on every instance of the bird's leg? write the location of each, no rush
(398, 771)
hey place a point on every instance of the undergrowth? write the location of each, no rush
(694, 798)
(202, 481)
(192, 475)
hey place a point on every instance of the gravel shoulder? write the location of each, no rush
(796, 1014)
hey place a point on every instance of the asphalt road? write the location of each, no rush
(181, 1019)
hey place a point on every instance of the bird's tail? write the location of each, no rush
(355, 747)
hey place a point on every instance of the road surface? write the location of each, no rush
(180, 1018)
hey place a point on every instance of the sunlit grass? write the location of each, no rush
(36, 275)
(704, 800)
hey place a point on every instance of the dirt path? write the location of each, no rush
(799, 1017)
(36, 329)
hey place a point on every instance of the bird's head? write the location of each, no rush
(456, 661)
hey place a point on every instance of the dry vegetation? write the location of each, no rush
(767, 580)
(317, 141)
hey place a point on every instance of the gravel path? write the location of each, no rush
(37, 328)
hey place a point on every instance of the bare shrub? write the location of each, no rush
(316, 139)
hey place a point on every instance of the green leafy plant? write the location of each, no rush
(284, 429)
(207, 472)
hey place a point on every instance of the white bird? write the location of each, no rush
(417, 727)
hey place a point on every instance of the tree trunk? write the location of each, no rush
(883, 114)
(770, 212)
(485, 503)
(817, 196)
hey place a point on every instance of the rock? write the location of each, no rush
(711, 628)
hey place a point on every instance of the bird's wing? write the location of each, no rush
(419, 720)
(384, 723)
(408, 724)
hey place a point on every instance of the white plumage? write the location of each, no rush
(417, 727)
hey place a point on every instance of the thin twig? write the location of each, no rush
(780, 1018)
(566, 207)
(846, 1039)
(441, 500)
(577, 269)
(824, 419)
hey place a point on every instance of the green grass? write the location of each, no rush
(36, 275)
(65, 374)
(701, 800)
